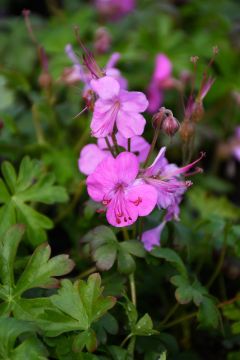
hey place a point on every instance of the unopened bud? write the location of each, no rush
(170, 125)
(165, 121)
(187, 130)
(45, 80)
(102, 40)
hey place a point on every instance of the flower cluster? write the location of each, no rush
(118, 177)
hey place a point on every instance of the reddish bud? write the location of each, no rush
(198, 111)
(170, 125)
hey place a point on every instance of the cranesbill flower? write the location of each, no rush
(117, 107)
(161, 79)
(92, 154)
(114, 183)
(152, 237)
(166, 179)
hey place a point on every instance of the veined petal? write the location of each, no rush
(144, 197)
(121, 213)
(130, 124)
(126, 167)
(104, 117)
(159, 163)
(133, 101)
(151, 238)
(102, 180)
(106, 87)
(90, 157)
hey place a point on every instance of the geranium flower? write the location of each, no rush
(92, 154)
(117, 107)
(114, 183)
(152, 237)
(166, 179)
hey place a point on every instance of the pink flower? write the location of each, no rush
(236, 144)
(92, 154)
(162, 79)
(114, 183)
(166, 179)
(80, 74)
(151, 238)
(117, 107)
(115, 9)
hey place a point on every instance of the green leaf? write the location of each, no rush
(187, 291)
(172, 257)
(210, 206)
(131, 312)
(8, 250)
(144, 327)
(208, 314)
(31, 348)
(10, 330)
(31, 184)
(41, 270)
(104, 245)
(126, 263)
(85, 339)
(77, 306)
(133, 247)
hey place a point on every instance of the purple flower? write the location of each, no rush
(152, 237)
(91, 155)
(114, 184)
(84, 75)
(117, 107)
(162, 79)
(166, 179)
(115, 9)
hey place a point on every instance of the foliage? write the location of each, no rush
(178, 301)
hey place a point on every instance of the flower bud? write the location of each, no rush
(170, 125)
(165, 121)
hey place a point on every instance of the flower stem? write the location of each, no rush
(170, 313)
(129, 145)
(155, 137)
(109, 147)
(126, 339)
(133, 289)
(37, 125)
(114, 139)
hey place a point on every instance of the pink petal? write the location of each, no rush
(144, 197)
(151, 238)
(106, 87)
(155, 97)
(133, 101)
(130, 124)
(102, 180)
(130, 212)
(159, 163)
(140, 147)
(90, 157)
(126, 167)
(114, 58)
(116, 74)
(103, 119)
(163, 68)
